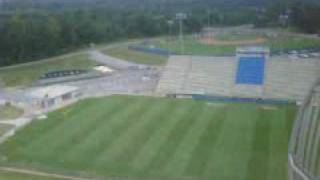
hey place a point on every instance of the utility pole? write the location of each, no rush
(180, 17)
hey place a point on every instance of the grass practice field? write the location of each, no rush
(123, 52)
(193, 45)
(26, 74)
(149, 138)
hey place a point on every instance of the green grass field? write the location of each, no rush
(232, 37)
(4, 128)
(291, 42)
(151, 138)
(194, 47)
(123, 52)
(17, 176)
(26, 74)
(10, 112)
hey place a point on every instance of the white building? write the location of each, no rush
(53, 96)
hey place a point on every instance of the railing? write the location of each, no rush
(304, 147)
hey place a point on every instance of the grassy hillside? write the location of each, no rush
(4, 128)
(16, 176)
(150, 138)
(26, 74)
(9, 112)
(123, 52)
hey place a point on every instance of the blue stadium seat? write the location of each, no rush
(250, 70)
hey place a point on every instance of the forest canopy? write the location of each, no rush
(30, 34)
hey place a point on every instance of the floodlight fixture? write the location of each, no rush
(180, 17)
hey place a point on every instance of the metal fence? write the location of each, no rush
(304, 148)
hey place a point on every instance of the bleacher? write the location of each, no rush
(197, 75)
(289, 78)
(282, 79)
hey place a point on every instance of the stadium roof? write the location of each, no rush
(253, 49)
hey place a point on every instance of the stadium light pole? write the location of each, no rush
(170, 23)
(180, 17)
(209, 14)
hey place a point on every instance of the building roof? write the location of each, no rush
(51, 91)
(253, 49)
(103, 69)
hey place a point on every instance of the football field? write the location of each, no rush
(128, 137)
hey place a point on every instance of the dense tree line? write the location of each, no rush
(307, 18)
(303, 16)
(31, 35)
(162, 5)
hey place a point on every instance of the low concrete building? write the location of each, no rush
(53, 96)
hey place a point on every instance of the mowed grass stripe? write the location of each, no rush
(30, 142)
(144, 158)
(233, 146)
(117, 133)
(260, 153)
(118, 147)
(84, 130)
(46, 126)
(116, 122)
(70, 130)
(206, 145)
(279, 138)
(175, 137)
(106, 135)
(181, 157)
(146, 133)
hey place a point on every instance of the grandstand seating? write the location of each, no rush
(284, 78)
(289, 78)
(197, 75)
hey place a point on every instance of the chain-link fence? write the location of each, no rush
(304, 150)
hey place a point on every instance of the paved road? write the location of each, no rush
(130, 82)
(111, 62)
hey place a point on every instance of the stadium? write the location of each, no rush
(197, 116)
(160, 90)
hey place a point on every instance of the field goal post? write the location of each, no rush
(304, 147)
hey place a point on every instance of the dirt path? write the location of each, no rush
(39, 173)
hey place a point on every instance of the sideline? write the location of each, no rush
(39, 173)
